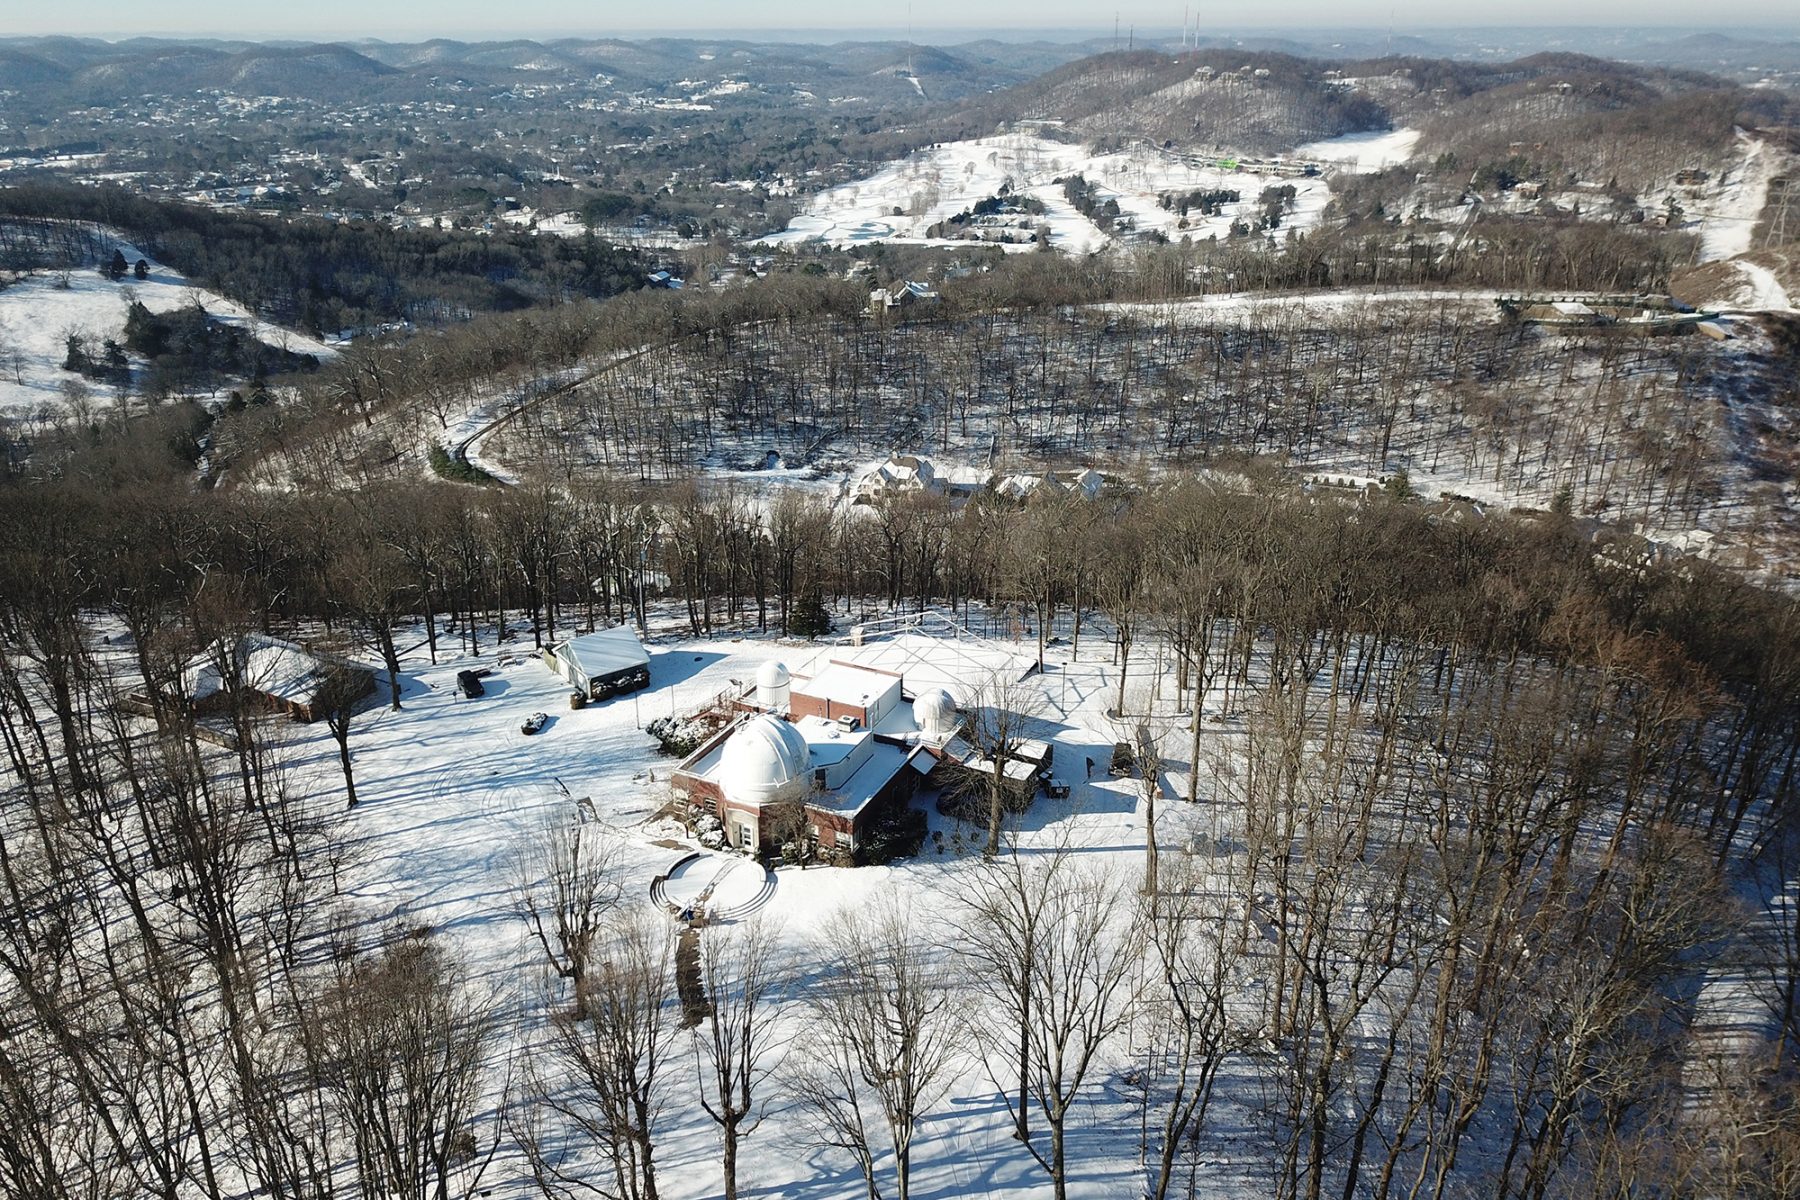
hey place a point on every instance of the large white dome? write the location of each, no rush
(764, 760)
(935, 712)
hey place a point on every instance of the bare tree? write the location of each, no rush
(368, 579)
(886, 1005)
(566, 887)
(1148, 752)
(611, 1084)
(738, 1045)
(998, 713)
(1042, 938)
(340, 692)
(1192, 978)
(406, 1042)
(827, 1088)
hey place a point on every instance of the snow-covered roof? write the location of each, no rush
(1088, 481)
(960, 666)
(604, 652)
(1017, 769)
(832, 749)
(849, 684)
(915, 471)
(263, 664)
(878, 769)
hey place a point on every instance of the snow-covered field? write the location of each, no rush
(1363, 152)
(908, 196)
(38, 313)
(559, 224)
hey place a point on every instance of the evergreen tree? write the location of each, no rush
(810, 620)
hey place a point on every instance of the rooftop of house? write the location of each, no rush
(262, 664)
(848, 684)
(828, 743)
(884, 761)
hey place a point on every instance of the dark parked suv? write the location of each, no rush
(1124, 760)
(470, 683)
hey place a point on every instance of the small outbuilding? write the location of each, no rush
(603, 664)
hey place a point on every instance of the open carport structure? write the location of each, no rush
(608, 662)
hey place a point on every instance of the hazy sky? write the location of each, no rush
(419, 19)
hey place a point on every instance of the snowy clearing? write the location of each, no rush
(449, 787)
(38, 313)
(1728, 216)
(905, 198)
(1765, 291)
(1363, 152)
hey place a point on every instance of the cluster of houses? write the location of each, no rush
(816, 760)
(903, 473)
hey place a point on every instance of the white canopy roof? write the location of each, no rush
(604, 652)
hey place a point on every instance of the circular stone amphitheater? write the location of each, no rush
(706, 887)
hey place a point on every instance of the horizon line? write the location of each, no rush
(700, 32)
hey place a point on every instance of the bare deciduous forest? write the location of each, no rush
(1371, 726)
(1477, 805)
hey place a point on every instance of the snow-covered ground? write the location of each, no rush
(908, 196)
(449, 787)
(558, 224)
(1729, 213)
(1363, 152)
(37, 315)
(1763, 290)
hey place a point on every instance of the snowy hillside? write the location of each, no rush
(1374, 151)
(907, 197)
(38, 313)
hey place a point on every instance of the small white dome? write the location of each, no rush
(772, 675)
(764, 760)
(935, 712)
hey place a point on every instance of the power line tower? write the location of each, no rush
(1777, 233)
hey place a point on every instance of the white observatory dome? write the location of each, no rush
(772, 685)
(935, 712)
(764, 760)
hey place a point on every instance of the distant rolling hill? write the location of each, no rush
(74, 69)
(1217, 99)
(1562, 111)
